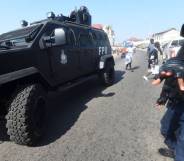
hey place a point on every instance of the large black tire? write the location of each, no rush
(26, 115)
(107, 75)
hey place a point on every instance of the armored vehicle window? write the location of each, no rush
(94, 36)
(101, 39)
(85, 40)
(106, 39)
(71, 38)
(175, 43)
(181, 42)
(95, 40)
(21, 33)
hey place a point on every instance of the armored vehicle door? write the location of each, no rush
(86, 50)
(64, 61)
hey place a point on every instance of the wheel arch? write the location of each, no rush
(104, 59)
(28, 75)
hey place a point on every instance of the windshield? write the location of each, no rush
(19, 38)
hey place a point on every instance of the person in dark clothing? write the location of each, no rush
(152, 62)
(171, 96)
(172, 123)
(151, 47)
(153, 57)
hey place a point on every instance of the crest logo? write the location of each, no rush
(63, 58)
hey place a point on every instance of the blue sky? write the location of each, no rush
(128, 17)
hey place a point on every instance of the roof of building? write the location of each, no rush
(134, 39)
(163, 32)
(98, 26)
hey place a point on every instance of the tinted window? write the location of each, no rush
(174, 43)
(95, 39)
(71, 38)
(181, 42)
(165, 45)
(94, 36)
(106, 38)
(85, 40)
(23, 32)
(101, 39)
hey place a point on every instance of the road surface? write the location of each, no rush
(92, 123)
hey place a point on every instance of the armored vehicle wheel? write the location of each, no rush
(107, 75)
(26, 115)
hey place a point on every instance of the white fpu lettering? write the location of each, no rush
(100, 50)
(106, 49)
(103, 50)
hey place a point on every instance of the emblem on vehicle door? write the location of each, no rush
(63, 57)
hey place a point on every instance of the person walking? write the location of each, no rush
(150, 49)
(128, 59)
(153, 67)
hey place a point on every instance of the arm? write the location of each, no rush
(163, 95)
(159, 49)
(170, 91)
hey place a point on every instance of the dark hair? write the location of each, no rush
(157, 44)
(152, 41)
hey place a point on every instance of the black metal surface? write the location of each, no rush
(23, 32)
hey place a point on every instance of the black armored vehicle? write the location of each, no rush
(57, 52)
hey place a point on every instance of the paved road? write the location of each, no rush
(92, 123)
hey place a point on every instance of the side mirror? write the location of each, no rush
(182, 31)
(59, 36)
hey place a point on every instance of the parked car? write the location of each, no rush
(171, 48)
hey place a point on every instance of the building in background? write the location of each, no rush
(166, 36)
(110, 32)
(162, 37)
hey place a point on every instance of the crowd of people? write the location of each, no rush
(172, 96)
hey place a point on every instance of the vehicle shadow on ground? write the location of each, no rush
(66, 107)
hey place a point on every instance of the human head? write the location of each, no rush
(152, 41)
(157, 44)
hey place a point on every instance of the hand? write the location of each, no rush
(161, 102)
(159, 107)
(163, 74)
(166, 75)
(181, 84)
(173, 67)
